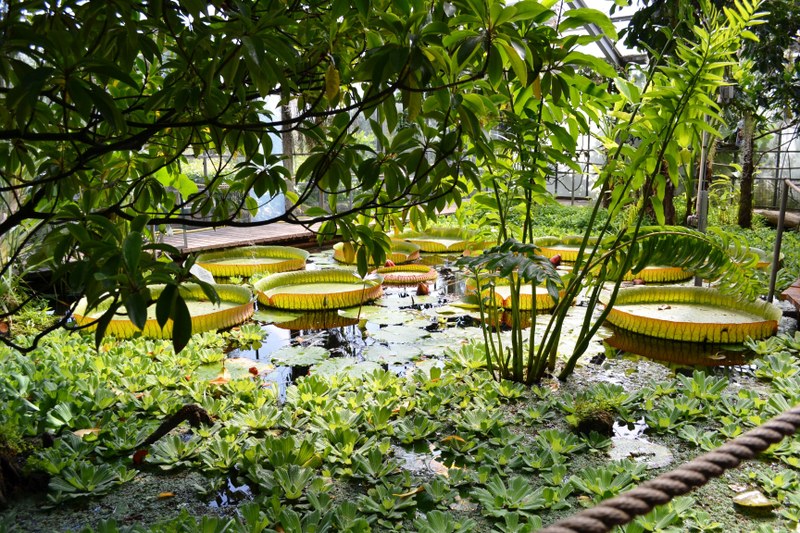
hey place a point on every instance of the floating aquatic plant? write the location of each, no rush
(399, 252)
(566, 247)
(248, 260)
(443, 240)
(692, 314)
(235, 307)
(318, 289)
(407, 274)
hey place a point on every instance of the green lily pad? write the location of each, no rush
(451, 338)
(391, 355)
(399, 335)
(378, 315)
(275, 316)
(333, 366)
(299, 355)
(361, 369)
(344, 366)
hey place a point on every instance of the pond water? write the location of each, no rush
(402, 330)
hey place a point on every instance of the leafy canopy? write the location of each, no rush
(101, 103)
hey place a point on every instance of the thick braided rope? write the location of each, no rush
(642, 499)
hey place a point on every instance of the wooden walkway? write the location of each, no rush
(229, 237)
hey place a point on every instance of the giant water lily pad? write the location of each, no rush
(235, 307)
(660, 274)
(567, 247)
(693, 314)
(392, 354)
(318, 289)
(299, 355)
(344, 366)
(399, 335)
(502, 295)
(249, 260)
(407, 274)
(275, 316)
(444, 240)
(378, 315)
(400, 252)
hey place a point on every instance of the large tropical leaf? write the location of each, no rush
(407, 274)
(400, 252)
(694, 314)
(235, 306)
(318, 289)
(441, 240)
(248, 260)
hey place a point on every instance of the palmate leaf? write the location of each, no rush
(714, 256)
(514, 257)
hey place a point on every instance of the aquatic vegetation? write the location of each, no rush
(317, 289)
(399, 252)
(443, 240)
(249, 260)
(234, 307)
(691, 314)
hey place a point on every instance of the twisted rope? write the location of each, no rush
(642, 499)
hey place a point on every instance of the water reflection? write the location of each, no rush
(678, 352)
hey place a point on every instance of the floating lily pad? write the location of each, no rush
(407, 274)
(344, 366)
(318, 289)
(378, 315)
(235, 307)
(391, 355)
(660, 274)
(449, 339)
(400, 252)
(299, 355)
(502, 295)
(275, 316)
(444, 240)
(399, 334)
(693, 314)
(567, 247)
(249, 260)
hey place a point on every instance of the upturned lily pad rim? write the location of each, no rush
(295, 259)
(364, 290)
(428, 243)
(715, 332)
(660, 274)
(547, 246)
(414, 274)
(223, 318)
(400, 252)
